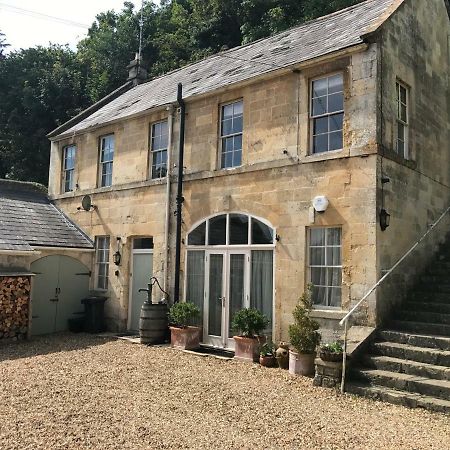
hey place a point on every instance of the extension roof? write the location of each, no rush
(325, 35)
(29, 220)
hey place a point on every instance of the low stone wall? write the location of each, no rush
(328, 374)
(14, 306)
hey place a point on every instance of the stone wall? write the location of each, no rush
(415, 50)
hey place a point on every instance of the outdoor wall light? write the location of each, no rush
(385, 219)
(117, 257)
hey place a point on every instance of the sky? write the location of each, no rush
(24, 29)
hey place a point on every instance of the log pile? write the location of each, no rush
(14, 306)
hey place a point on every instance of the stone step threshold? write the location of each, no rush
(407, 399)
(218, 353)
(432, 341)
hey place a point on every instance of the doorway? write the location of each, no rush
(141, 271)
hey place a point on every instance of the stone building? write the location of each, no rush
(326, 112)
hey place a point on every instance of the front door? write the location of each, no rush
(226, 292)
(141, 273)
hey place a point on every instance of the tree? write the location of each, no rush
(3, 45)
(40, 88)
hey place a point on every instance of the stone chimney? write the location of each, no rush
(136, 72)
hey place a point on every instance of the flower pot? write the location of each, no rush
(330, 356)
(301, 364)
(267, 361)
(247, 349)
(185, 338)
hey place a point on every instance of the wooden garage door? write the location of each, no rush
(59, 286)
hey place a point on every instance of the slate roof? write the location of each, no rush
(316, 38)
(29, 220)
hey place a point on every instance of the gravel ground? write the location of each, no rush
(83, 392)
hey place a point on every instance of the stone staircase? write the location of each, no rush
(409, 362)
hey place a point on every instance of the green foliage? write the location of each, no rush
(3, 45)
(249, 322)
(303, 332)
(334, 347)
(267, 349)
(183, 314)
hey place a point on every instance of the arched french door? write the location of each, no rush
(229, 266)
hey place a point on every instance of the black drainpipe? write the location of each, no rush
(180, 199)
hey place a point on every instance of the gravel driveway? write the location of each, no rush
(83, 392)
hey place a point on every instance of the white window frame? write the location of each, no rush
(399, 120)
(325, 266)
(312, 117)
(108, 162)
(102, 255)
(153, 152)
(68, 175)
(223, 137)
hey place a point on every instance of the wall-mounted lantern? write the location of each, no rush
(117, 257)
(385, 219)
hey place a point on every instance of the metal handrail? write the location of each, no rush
(346, 318)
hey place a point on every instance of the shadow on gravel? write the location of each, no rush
(55, 343)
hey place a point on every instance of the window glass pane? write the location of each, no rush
(318, 276)
(335, 140)
(403, 94)
(335, 83)
(237, 158)
(320, 87)
(317, 236)
(320, 143)
(238, 229)
(237, 124)
(319, 295)
(334, 277)
(195, 281)
(336, 122)
(237, 142)
(400, 148)
(227, 111)
(143, 243)
(334, 236)
(198, 236)
(334, 296)
(403, 115)
(317, 256)
(334, 256)
(217, 230)
(320, 125)
(335, 102)
(261, 233)
(227, 127)
(238, 108)
(319, 106)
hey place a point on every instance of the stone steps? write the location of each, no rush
(405, 382)
(408, 399)
(421, 327)
(428, 296)
(424, 316)
(416, 340)
(430, 307)
(408, 367)
(418, 354)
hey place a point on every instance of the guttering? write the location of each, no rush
(179, 199)
(20, 252)
(67, 249)
(167, 224)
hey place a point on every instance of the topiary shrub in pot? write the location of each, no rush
(267, 354)
(304, 337)
(249, 323)
(183, 335)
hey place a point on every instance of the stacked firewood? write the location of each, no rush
(14, 306)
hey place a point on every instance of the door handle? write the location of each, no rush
(222, 299)
(53, 300)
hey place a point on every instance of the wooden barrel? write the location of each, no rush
(153, 324)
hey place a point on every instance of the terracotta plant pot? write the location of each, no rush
(267, 361)
(247, 349)
(301, 364)
(185, 338)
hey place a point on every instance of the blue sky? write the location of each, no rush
(25, 30)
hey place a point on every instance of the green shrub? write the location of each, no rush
(182, 315)
(334, 347)
(303, 332)
(249, 322)
(267, 349)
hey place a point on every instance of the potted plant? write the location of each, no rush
(182, 335)
(304, 337)
(331, 352)
(267, 354)
(249, 323)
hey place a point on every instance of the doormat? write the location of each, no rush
(211, 351)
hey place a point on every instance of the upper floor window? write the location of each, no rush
(327, 113)
(102, 261)
(106, 160)
(401, 145)
(68, 179)
(231, 126)
(325, 265)
(158, 148)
